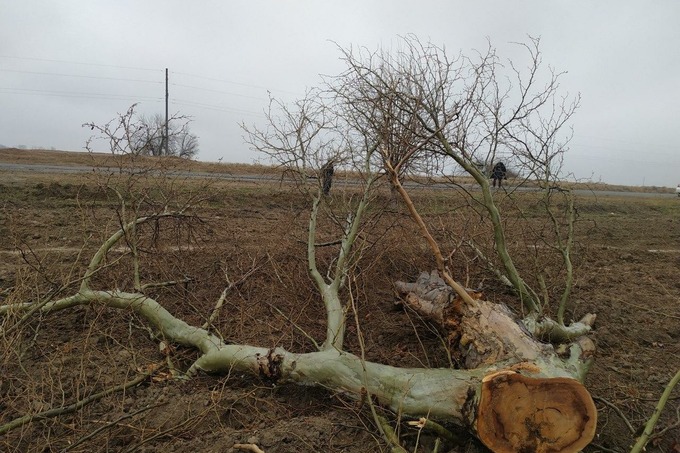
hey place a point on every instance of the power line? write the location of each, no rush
(80, 76)
(109, 96)
(73, 94)
(136, 68)
(213, 107)
(79, 63)
(218, 91)
(138, 80)
(58, 74)
(234, 83)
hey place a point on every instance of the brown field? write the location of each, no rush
(74, 158)
(627, 260)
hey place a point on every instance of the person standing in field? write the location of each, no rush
(327, 177)
(499, 173)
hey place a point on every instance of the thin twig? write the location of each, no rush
(618, 411)
(381, 422)
(651, 423)
(641, 307)
(163, 433)
(605, 449)
(39, 305)
(323, 244)
(294, 324)
(388, 432)
(16, 423)
(425, 423)
(34, 308)
(669, 427)
(109, 425)
(489, 264)
(148, 286)
(223, 296)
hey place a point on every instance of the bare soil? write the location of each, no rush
(627, 258)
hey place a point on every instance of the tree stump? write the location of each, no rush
(531, 399)
(517, 413)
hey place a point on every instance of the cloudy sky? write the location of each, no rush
(66, 62)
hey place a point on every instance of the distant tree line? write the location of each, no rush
(149, 138)
(132, 133)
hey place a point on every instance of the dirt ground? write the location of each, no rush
(627, 260)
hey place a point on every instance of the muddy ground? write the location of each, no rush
(627, 258)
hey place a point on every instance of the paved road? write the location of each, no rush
(68, 169)
(71, 169)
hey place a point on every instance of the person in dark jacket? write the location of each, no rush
(327, 177)
(498, 174)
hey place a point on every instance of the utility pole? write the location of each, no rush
(167, 138)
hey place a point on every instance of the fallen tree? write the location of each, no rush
(516, 393)
(416, 111)
(518, 383)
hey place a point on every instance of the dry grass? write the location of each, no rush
(75, 158)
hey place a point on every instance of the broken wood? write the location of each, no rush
(531, 396)
(517, 413)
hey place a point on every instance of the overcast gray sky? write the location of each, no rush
(66, 62)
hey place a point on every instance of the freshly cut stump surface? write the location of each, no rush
(543, 415)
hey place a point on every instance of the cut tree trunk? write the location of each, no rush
(531, 398)
(517, 413)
